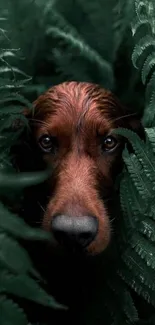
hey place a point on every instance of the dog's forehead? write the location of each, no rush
(76, 106)
(75, 119)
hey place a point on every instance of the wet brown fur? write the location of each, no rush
(79, 115)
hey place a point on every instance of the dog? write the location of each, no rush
(72, 125)
(72, 135)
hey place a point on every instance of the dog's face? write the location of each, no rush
(72, 125)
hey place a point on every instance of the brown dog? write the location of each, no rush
(72, 125)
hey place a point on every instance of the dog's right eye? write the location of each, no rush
(47, 143)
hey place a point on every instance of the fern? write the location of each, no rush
(18, 277)
(123, 14)
(15, 315)
(144, 52)
(56, 46)
(143, 152)
(77, 54)
(137, 175)
(138, 250)
(151, 137)
(147, 67)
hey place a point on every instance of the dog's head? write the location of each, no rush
(72, 126)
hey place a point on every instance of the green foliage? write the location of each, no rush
(136, 240)
(43, 43)
(18, 277)
(144, 53)
(137, 194)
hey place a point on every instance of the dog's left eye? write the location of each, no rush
(47, 143)
(109, 143)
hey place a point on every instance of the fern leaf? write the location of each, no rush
(135, 25)
(25, 287)
(82, 50)
(129, 221)
(137, 175)
(12, 84)
(143, 152)
(147, 67)
(128, 307)
(142, 45)
(15, 226)
(14, 257)
(144, 249)
(151, 137)
(138, 268)
(147, 227)
(150, 88)
(144, 8)
(14, 109)
(149, 113)
(138, 207)
(11, 97)
(150, 211)
(11, 313)
(7, 54)
(135, 284)
(22, 180)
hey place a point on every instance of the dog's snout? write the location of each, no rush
(74, 231)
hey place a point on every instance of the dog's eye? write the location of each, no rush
(47, 143)
(109, 143)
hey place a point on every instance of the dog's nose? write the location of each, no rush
(74, 231)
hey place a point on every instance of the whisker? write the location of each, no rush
(38, 222)
(41, 206)
(112, 220)
(124, 116)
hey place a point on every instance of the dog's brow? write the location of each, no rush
(39, 122)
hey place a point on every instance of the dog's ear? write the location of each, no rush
(20, 122)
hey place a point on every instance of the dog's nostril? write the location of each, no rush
(77, 231)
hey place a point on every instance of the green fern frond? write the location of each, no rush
(130, 207)
(151, 137)
(15, 226)
(80, 51)
(118, 289)
(23, 286)
(135, 25)
(125, 203)
(144, 249)
(150, 211)
(138, 268)
(137, 206)
(144, 14)
(137, 175)
(11, 313)
(13, 257)
(13, 97)
(145, 17)
(82, 48)
(149, 114)
(135, 284)
(147, 66)
(22, 180)
(150, 88)
(143, 152)
(143, 44)
(123, 15)
(147, 228)
(142, 5)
